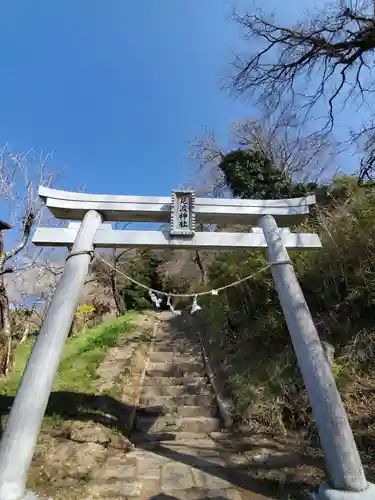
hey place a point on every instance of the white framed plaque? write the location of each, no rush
(183, 213)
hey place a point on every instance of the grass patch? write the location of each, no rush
(82, 354)
(85, 407)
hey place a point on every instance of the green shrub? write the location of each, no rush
(248, 335)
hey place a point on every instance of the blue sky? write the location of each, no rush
(117, 88)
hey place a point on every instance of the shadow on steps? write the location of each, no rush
(258, 488)
(111, 413)
(100, 409)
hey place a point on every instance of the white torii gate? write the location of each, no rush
(346, 476)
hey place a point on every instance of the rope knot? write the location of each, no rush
(81, 252)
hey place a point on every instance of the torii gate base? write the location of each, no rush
(346, 476)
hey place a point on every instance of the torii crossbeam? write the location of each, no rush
(73, 206)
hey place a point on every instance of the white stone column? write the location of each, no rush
(342, 458)
(24, 422)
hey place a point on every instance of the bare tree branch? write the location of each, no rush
(27, 225)
(20, 177)
(303, 155)
(6, 270)
(326, 58)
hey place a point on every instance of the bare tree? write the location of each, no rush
(325, 58)
(205, 150)
(305, 156)
(30, 290)
(20, 176)
(108, 275)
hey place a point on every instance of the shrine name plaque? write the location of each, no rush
(183, 213)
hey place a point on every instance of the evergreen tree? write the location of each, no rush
(250, 174)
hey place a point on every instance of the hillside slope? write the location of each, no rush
(247, 335)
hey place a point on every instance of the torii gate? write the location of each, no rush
(346, 476)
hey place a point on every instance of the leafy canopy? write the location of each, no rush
(250, 174)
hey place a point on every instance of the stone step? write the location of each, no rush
(181, 411)
(170, 437)
(175, 337)
(174, 370)
(182, 341)
(171, 402)
(180, 348)
(189, 352)
(122, 488)
(152, 391)
(177, 424)
(190, 440)
(175, 381)
(203, 448)
(197, 411)
(170, 356)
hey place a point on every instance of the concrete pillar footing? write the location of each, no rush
(327, 493)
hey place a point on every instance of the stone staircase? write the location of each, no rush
(177, 401)
(179, 453)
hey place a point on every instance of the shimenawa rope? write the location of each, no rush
(212, 291)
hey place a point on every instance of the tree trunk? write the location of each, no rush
(6, 330)
(119, 301)
(72, 327)
(199, 263)
(25, 333)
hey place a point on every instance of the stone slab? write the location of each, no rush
(172, 401)
(175, 390)
(175, 370)
(151, 440)
(121, 488)
(199, 494)
(197, 411)
(175, 381)
(115, 470)
(177, 476)
(170, 356)
(172, 424)
(210, 480)
(149, 466)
